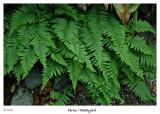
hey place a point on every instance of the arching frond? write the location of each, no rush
(52, 69)
(68, 33)
(140, 89)
(139, 44)
(68, 10)
(74, 70)
(24, 15)
(26, 62)
(41, 39)
(141, 26)
(121, 48)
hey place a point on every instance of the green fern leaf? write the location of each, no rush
(25, 35)
(67, 10)
(110, 71)
(52, 69)
(74, 70)
(97, 18)
(118, 39)
(94, 45)
(139, 44)
(11, 48)
(68, 31)
(65, 51)
(108, 43)
(140, 89)
(18, 72)
(24, 15)
(128, 73)
(60, 98)
(41, 40)
(40, 50)
(58, 58)
(92, 34)
(26, 62)
(88, 77)
(140, 26)
(148, 61)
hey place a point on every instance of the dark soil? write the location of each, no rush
(8, 83)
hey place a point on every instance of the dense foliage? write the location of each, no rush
(92, 47)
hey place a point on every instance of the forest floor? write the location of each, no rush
(79, 98)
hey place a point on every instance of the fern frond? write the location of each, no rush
(92, 43)
(99, 88)
(108, 43)
(11, 48)
(24, 35)
(68, 31)
(18, 72)
(140, 89)
(24, 15)
(140, 26)
(148, 61)
(41, 40)
(65, 51)
(122, 50)
(92, 34)
(139, 44)
(97, 24)
(28, 59)
(110, 92)
(128, 73)
(88, 77)
(111, 71)
(52, 69)
(74, 70)
(68, 10)
(58, 58)
(61, 99)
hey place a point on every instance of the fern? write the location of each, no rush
(23, 16)
(41, 39)
(52, 69)
(92, 34)
(17, 70)
(148, 60)
(61, 99)
(67, 10)
(140, 88)
(68, 33)
(111, 71)
(90, 47)
(58, 58)
(26, 62)
(139, 44)
(12, 48)
(140, 26)
(74, 70)
(118, 39)
(65, 51)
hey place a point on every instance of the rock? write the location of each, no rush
(22, 97)
(34, 78)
